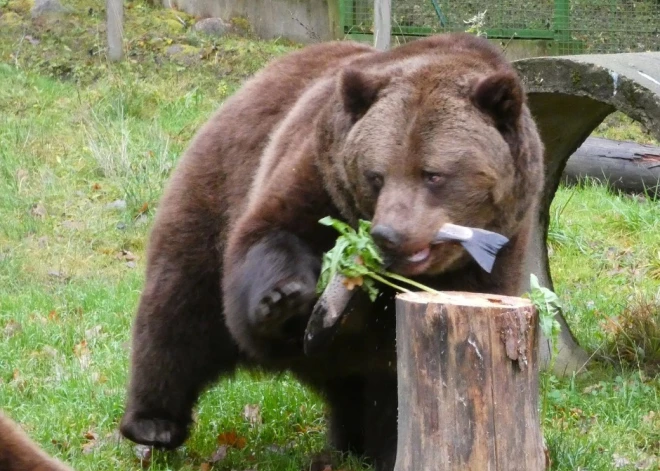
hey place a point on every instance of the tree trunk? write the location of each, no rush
(625, 166)
(468, 383)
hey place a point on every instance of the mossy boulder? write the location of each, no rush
(10, 19)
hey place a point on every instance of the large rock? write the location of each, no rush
(42, 7)
(213, 27)
(183, 54)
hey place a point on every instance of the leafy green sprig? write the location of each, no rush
(356, 257)
(548, 306)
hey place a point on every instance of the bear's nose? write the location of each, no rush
(386, 237)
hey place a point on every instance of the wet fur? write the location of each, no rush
(236, 246)
(19, 453)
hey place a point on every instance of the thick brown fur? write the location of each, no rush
(19, 453)
(430, 132)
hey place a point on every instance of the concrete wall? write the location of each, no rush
(524, 48)
(298, 20)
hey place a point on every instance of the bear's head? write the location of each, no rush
(444, 136)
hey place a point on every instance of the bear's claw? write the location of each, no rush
(160, 433)
(281, 304)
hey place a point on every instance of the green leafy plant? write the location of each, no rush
(547, 305)
(355, 256)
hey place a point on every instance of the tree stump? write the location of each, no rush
(468, 385)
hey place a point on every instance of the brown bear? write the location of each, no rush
(19, 453)
(430, 132)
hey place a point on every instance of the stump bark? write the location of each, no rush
(468, 385)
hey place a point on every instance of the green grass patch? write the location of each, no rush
(85, 149)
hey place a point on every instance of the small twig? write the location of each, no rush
(509, 41)
(18, 51)
(310, 31)
(180, 20)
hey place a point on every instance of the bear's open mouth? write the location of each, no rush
(419, 256)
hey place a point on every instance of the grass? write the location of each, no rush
(78, 134)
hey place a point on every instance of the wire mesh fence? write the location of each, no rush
(567, 26)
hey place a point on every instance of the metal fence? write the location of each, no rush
(562, 26)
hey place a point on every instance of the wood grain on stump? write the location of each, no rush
(468, 383)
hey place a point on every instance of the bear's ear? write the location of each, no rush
(500, 95)
(359, 91)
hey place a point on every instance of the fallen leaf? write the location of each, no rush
(96, 187)
(114, 436)
(50, 351)
(83, 354)
(141, 220)
(81, 348)
(143, 209)
(143, 454)
(73, 225)
(281, 449)
(128, 255)
(60, 444)
(89, 447)
(93, 332)
(32, 40)
(99, 377)
(252, 413)
(231, 439)
(593, 388)
(651, 417)
(117, 205)
(219, 454)
(645, 463)
(21, 175)
(205, 467)
(92, 442)
(12, 328)
(52, 316)
(619, 461)
(39, 211)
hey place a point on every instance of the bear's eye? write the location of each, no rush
(433, 179)
(375, 179)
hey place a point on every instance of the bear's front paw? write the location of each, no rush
(153, 431)
(286, 302)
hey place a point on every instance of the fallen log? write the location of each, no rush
(622, 165)
(468, 385)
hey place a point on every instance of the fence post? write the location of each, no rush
(115, 26)
(561, 20)
(382, 24)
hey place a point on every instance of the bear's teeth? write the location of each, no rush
(419, 256)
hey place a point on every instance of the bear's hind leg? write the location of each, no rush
(345, 398)
(381, 408)
(180, 344)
